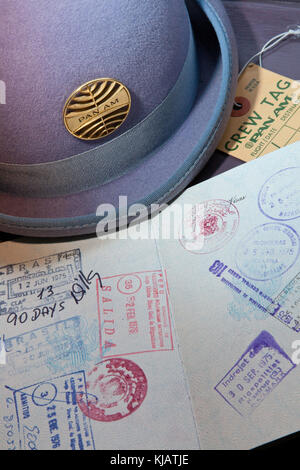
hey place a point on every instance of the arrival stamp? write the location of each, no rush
(255, 375)
(134, 314)
(48, 415)
(56, 348)
(20, 284)
(279, 198)
(267, 251)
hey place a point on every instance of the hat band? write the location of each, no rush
(111, 160)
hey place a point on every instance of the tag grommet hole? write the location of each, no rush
(237, 106)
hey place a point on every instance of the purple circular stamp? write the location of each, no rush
(279, 198)
(268, 251)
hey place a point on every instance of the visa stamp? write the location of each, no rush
(279, 198)
(255, 375)
(250, 300)
(134, 314)
(48, 415)
(116, 388)
(286, 306)
(21, 283)
(268, 251)
(210, 226)
(59, 347)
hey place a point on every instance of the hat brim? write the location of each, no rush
(168, 170)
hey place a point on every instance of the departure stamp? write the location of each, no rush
(255, 375)
(134, 314)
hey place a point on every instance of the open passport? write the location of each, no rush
(186, 342)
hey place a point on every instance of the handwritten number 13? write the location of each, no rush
(49, 289)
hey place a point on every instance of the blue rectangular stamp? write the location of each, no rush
(48, 415)
(59, 347)
(255, 375)
(21, 283)
(286, 305)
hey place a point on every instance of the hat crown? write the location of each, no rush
(48, 49)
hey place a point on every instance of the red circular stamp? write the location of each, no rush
(129, 284)
(115, 388)
(209, 226)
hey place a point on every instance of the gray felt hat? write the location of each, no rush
(72, 139)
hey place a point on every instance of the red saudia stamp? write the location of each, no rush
(115, 388)
(134, 314)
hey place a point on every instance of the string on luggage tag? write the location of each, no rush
(269, 45)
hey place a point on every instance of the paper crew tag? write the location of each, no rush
(266, 115)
